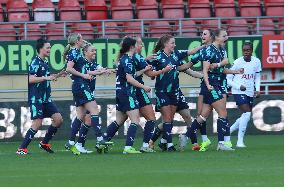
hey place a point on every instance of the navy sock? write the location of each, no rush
(167, 133)
(191, 132)
(203, 129)
(96, 125)
(156, 134)
(75, 127)
(111, 130)
(131, 132)
(148, 131)
(83, 134)
(221, 128)
(49, 134)
(28, 138)
(227, 133)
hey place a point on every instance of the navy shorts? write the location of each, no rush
(182, 104)
(42, 110)
(203, 89)
(142, 97)
(126, 102)
(82, 94)
(213, 96)
(165, 99)
(242, 99)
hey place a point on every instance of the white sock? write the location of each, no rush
(204, 138)
(221, 142)
(235, 126)
(163, 140)
(145, 144)
(71, 142)
(243, 126)
(227, 138)
(127, 147)
(170, 145)
(100, 138)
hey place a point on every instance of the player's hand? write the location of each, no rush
(210, 88)
(151, 57)
(87, 76)
(50, 78)
(240, 71)
(256, 94)
(167, 69)
(147, 68)
(147, 88)
(243, 88)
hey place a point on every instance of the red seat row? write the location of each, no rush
(44, 10)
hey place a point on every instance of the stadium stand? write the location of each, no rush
(69, 10)
(172, 8)
(199, 8)
(274, 7)
(17, 11)
(30, 32)
(95, 9)
(157, 28)
(43, 10)
(211, 24)
(85, 29)
(147, 9)
(112, 30)
(7, 32)
(225, 8)
(54, 31)
(132, 28)
(121, 9)
(188, 28)
(250, 7)
(237, 27)
(266, 27)
(1, 15)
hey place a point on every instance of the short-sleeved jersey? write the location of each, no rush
(168, 82)
(140, 63)
(92, 66)
(214, 55)
(126, 66)
(39, 92)
(75, 56)
(248, 77)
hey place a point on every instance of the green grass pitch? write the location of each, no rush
(259, 165)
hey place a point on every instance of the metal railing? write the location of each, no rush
(118, 28)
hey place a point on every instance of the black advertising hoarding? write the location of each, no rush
(267, 118)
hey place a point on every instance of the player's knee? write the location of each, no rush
(58, 120)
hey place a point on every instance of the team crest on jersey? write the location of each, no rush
(163, 60)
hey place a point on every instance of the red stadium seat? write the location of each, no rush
(173, 8)
(266, 27)
(237, 27)
(17, 11)
(69, 10)
(1, 15)
(43, 10)
(121, 9)
(199, 8)
(281, 25)
(189, 28)
(3, 1)
(55, 31)
(158, 28)
(210, 24)
(225, 8)
(95, 9)
(274, 7)
(111, 30)
(147, 9)
(33, 32)
(7, 33)
(250, 7)
(132, 28)
(85, 29)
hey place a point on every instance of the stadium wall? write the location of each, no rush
(267, 118)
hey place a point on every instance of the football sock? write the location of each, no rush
(111, 130)
(49, 134)
(28, 138)
(131, 132)
(75, 127)
(148, 131)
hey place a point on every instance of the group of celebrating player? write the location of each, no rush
(132, 100)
